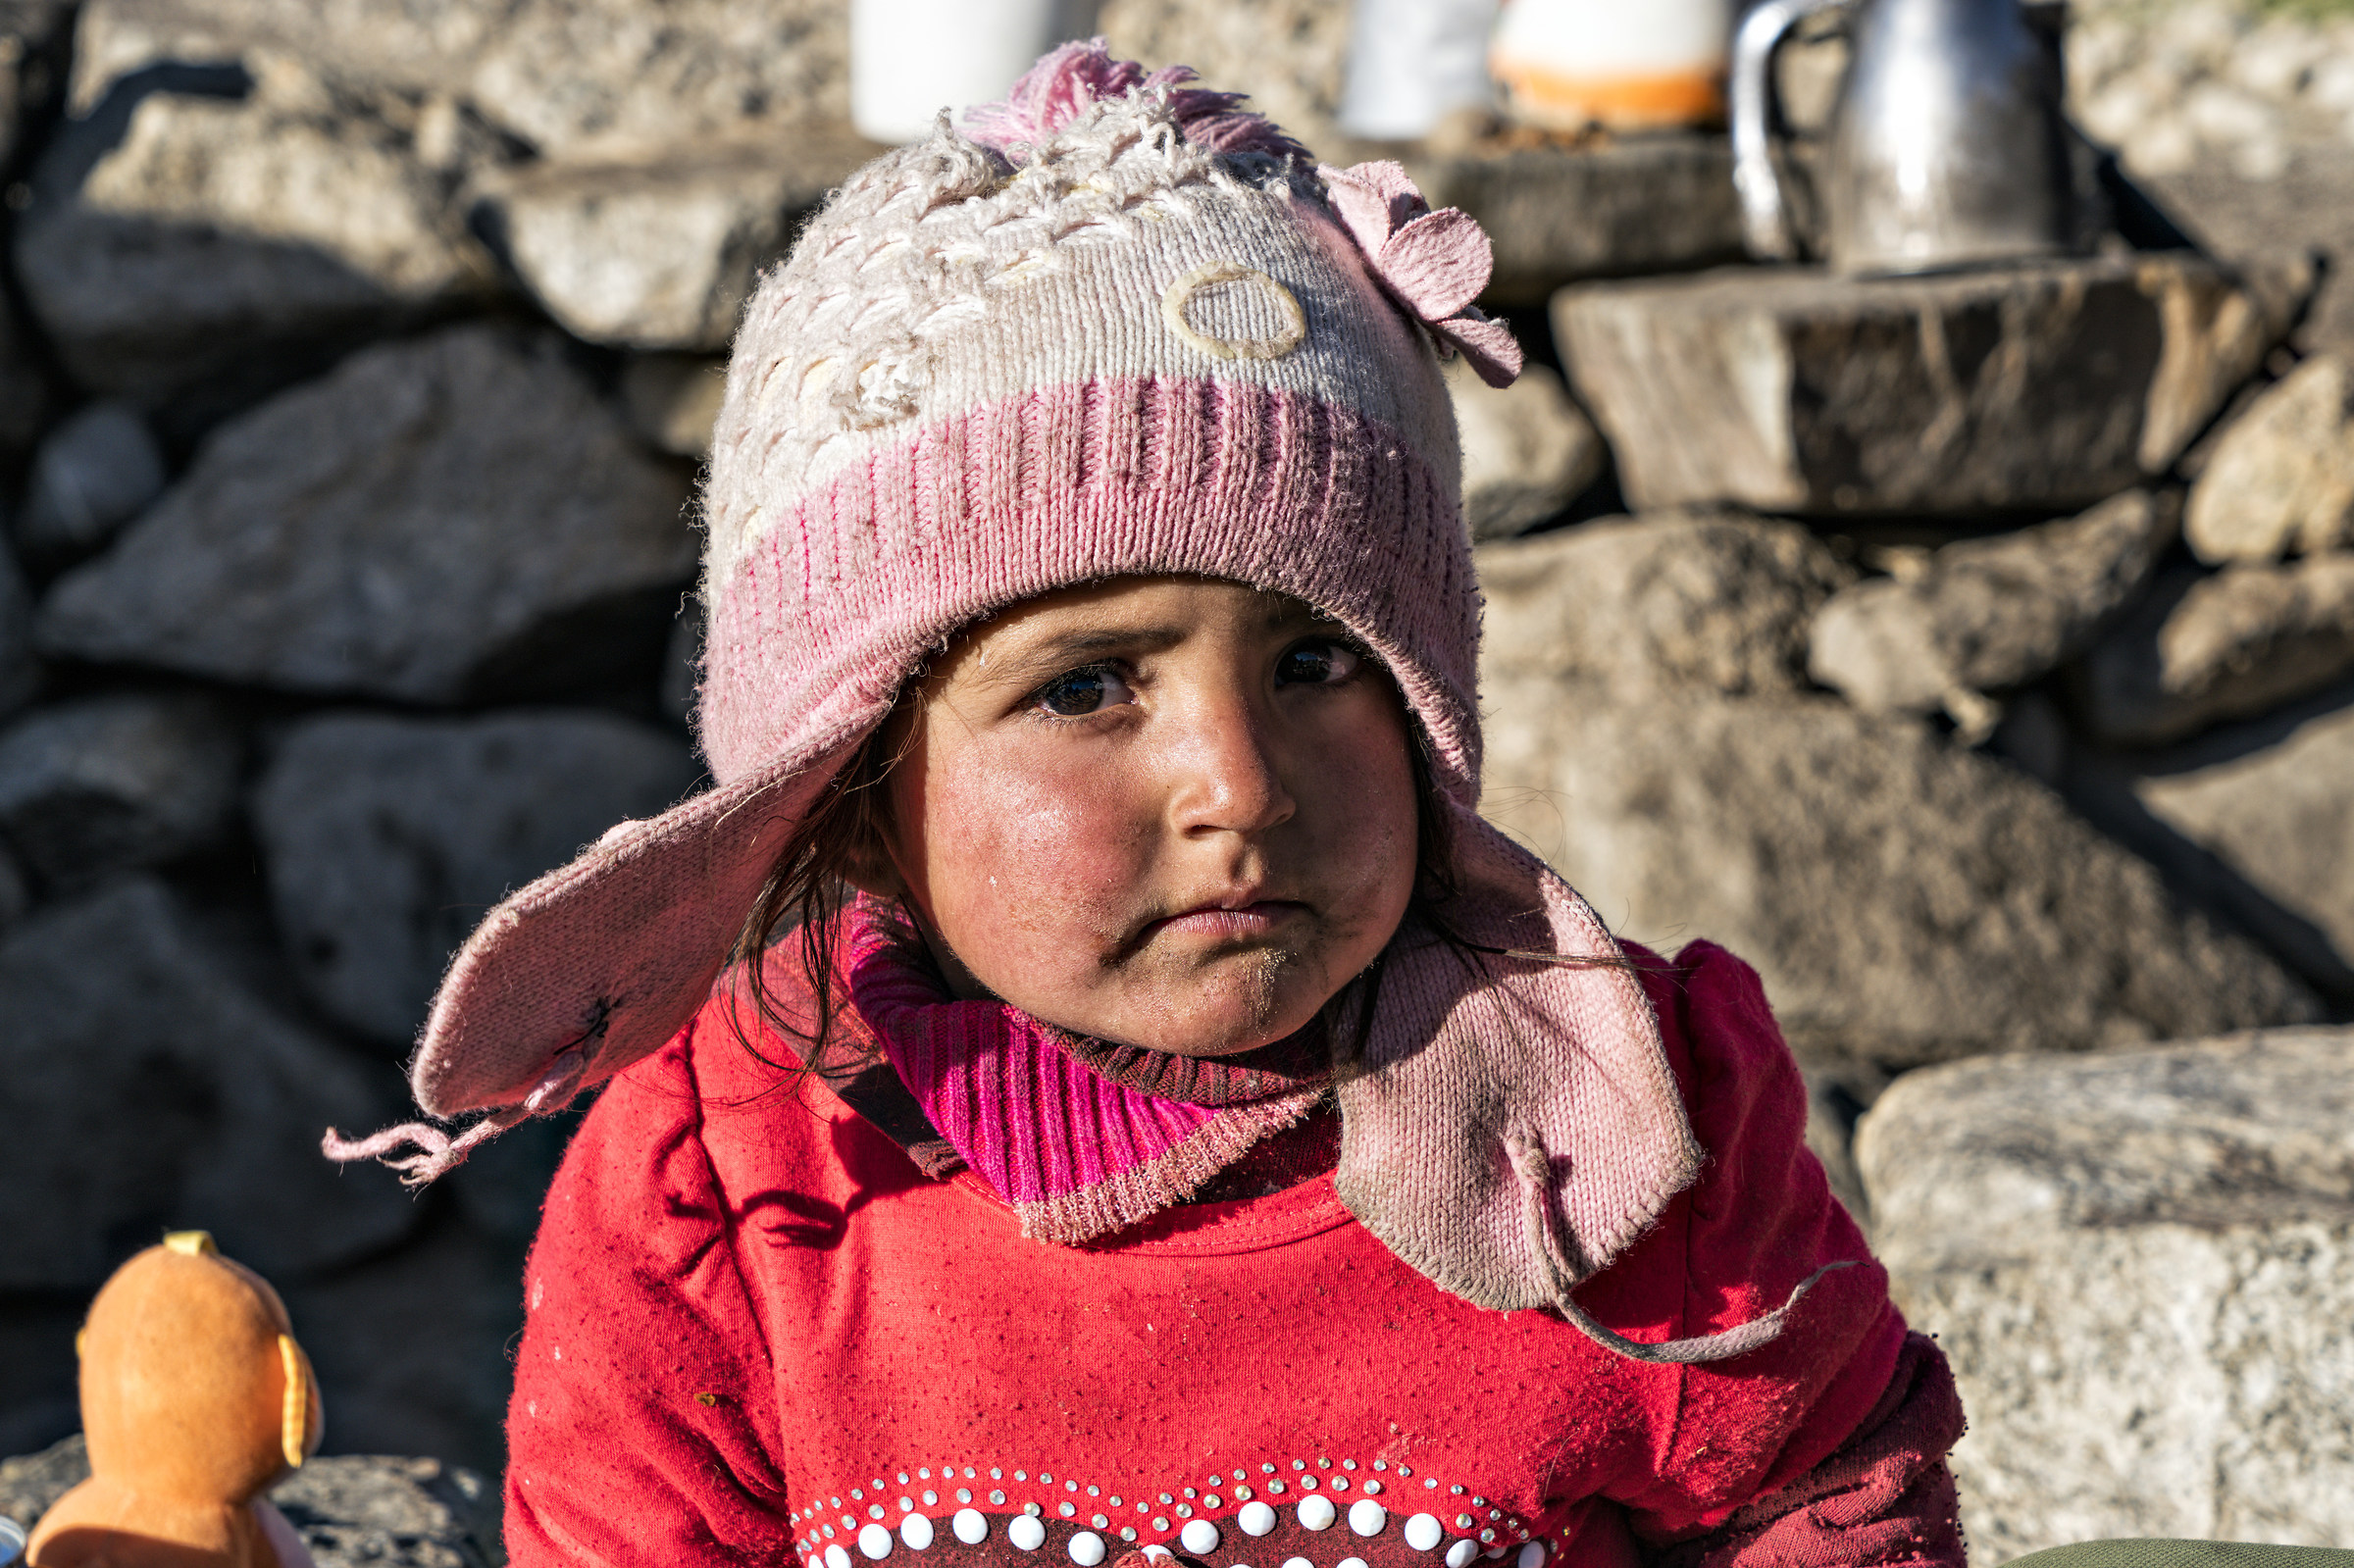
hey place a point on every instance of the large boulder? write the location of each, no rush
(150, 1088)
(2201, 650)
(2141, 1266)
(387, 838)
(413, 1348)
(661, 253)
(2280, 480)
(104, 785)
(1527, 450)
(440, 519)
(1716, 601)
(565, 77)
(175, 236)
(2041, 386)
(2271, 807)
(1906, 901)
(1984, 615)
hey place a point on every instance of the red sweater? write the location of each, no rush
(758, 1334)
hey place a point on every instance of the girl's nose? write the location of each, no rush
(1226, 774)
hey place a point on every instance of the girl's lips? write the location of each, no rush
(1250, 920)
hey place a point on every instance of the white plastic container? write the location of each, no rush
(1625, 64)
(1411, 63)
(910, 59)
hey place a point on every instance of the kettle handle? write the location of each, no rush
(1764, 224)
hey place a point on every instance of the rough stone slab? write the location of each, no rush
(2230, 645)
(2281, 477)
(2043, 387)
(1527, 450)
(661, 254)
(2281, 817)
(1906, 901)
(212, 1106)
(174, 238)
(351, 1510)
(567, 78)
(1657, 204)
(387, 839)
(2142, 1267)
(1670, 602)
(105, 784)
(441, 517)
(95, 472)
(1985, 615)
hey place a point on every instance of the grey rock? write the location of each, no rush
(2281, 816)
(1906, 901)
(2205, 648)
(92, 474)
(413, 1348)
(209, 1110)
(672, 400)
(1986, 615)
(1675, 600)
(661, 253)
(174, 238)
(32, 1482)
(2046, 385)
(105, 784)
(1289, 55)
(567, 78)
(437, 519)
(351, 1510)
(1527, 450)
(2281, 477)
(1653, 204)
(387, 838)
(2138, 1266)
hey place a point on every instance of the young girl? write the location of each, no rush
(1200, 1133)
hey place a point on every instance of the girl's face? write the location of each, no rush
(1168, 812)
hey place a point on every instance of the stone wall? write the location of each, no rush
(1975, 655)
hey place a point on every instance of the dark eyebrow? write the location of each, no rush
(1061, 651)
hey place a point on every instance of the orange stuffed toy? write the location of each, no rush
(195, 1400)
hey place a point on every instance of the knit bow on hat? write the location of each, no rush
(1434, 263)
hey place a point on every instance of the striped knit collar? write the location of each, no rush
(1081, 1136)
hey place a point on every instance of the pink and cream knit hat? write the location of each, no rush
(1121, 328)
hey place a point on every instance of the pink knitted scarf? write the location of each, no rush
(1081, 1136)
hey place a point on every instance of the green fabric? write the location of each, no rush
(2185, 1554)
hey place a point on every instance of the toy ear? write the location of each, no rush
(302, 1423)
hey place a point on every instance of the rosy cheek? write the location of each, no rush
(1031, 867)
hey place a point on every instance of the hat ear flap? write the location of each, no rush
(301, 1421)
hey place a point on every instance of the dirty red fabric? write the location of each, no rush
(759, 1333)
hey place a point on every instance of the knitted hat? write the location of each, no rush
(1120, 328)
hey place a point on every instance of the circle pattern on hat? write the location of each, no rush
(1210, 275)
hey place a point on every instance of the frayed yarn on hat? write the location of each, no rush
(1073, 78)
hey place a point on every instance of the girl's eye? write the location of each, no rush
(1320, 661)
(1081, 692)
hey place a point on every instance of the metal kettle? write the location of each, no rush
(1947, 146)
